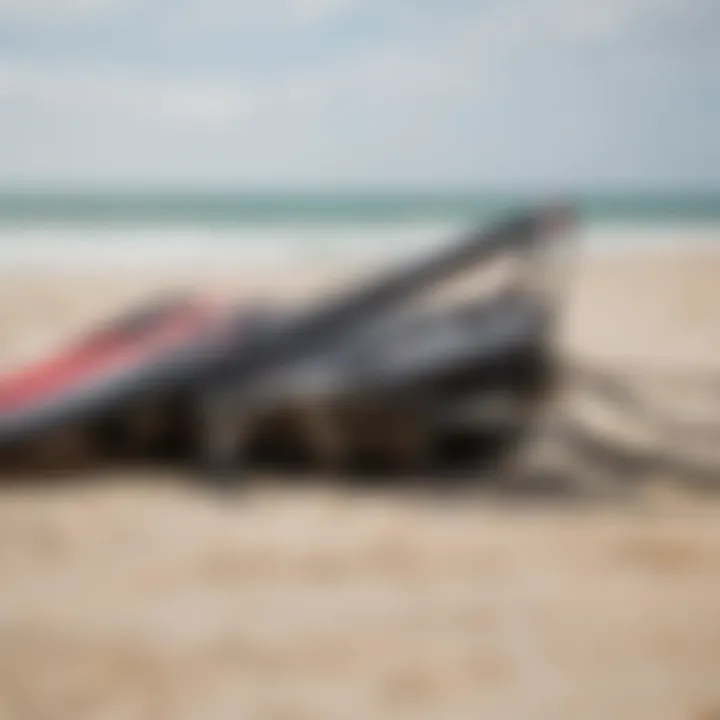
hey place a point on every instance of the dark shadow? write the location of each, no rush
(591, 467)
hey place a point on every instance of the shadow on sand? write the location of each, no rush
(565, 459)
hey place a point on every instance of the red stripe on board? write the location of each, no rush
(104, 354)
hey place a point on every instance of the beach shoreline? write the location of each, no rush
(131, 593)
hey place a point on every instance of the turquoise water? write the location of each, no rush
(236, 230)
(229, 208)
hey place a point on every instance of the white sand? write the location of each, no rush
(154, 600)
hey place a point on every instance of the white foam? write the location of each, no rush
(634, 238)
(65, 247)
(68, 248)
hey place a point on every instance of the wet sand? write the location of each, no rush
(143, 596)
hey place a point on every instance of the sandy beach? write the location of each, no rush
(145, 596)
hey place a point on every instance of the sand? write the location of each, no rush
(148, 597)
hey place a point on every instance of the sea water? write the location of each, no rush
(226, 229)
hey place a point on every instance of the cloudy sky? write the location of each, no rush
(440, 93)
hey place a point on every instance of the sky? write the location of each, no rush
(360, 93)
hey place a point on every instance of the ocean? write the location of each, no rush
(72, 230)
